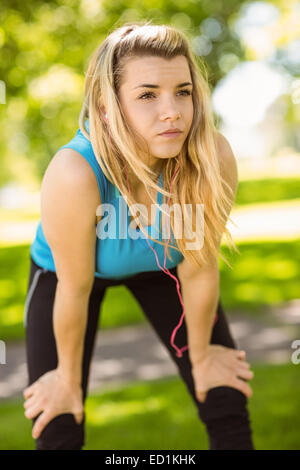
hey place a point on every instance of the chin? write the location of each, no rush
(165, 155)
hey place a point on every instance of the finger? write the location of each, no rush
(30, 401)
(201, 396)
(29, 390)
(241, 354)
(244, 373)
(40, 424)
(78, 417)
(200, 391)
(34, 410)
(242, 386)
(240, 363)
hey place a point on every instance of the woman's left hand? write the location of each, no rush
(221, 366)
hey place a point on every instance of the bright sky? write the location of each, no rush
(243, 97)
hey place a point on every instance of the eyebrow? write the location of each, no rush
(149, 85)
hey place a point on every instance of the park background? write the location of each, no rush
(252, 50)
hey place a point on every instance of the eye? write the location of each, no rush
(187, 93)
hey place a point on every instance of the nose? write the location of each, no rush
(171, 113)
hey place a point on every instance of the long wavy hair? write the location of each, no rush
(117, 146)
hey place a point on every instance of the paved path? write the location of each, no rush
(135, 353)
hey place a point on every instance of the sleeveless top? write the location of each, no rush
(118, 255)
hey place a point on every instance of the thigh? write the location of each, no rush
(62, 432)
(160, 302)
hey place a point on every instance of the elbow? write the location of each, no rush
(210, 274)
(73, 289)
(207, 274)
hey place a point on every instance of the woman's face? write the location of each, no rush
(151, 110)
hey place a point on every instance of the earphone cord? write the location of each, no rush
(179, 351)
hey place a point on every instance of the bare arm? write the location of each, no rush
(200, 296)
(200, 287)
(69, 199)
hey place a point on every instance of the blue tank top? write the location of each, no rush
(117, 257)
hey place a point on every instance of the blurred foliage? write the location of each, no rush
(45, 48)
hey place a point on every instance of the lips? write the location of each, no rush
(171, 132)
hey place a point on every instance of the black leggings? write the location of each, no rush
(224, 411)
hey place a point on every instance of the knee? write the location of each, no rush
(221, 402)
(62, 433)
(226, 418)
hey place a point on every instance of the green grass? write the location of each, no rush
(119, 307)
(161, 415)
(267, 190)
(266, 273)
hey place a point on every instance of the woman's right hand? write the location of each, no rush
(221, 366)
(50, 396)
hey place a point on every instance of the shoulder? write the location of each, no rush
(73, 167)
(227, 161)
(73, 161)
(69, 172)
(69, 201)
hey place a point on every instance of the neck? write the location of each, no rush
(136, 184)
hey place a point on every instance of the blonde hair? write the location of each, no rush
(117, 145)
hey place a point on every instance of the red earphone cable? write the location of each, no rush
(166, 270)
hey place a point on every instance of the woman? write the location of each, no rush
(141, 82)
